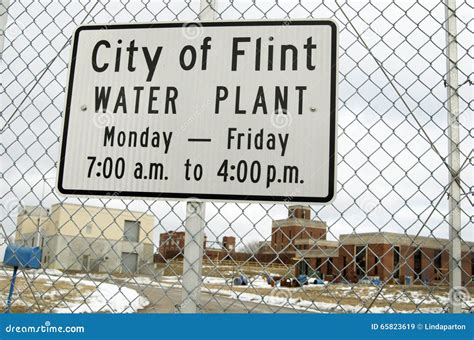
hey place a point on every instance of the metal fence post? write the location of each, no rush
(194, 234)
(388, 176)
(454, 153)
(3, 23)
(192, 258)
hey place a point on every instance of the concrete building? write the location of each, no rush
(87, 238)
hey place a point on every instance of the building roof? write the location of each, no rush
(299, 206)
(398, 240)
(33, 210)
(320, 248)
(64, 205)
(315, 253)
(301, 222)
(316, 242)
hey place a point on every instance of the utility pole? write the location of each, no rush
(452, 85)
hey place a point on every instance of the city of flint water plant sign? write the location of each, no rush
(217, 111)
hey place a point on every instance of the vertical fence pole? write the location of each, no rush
(192, 259)
(454, 154)
(12, 289)
(194, 234)
(4, 4)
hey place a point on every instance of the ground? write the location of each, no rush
(339, 298)
(59, 292)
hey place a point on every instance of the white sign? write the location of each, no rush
(228, 111)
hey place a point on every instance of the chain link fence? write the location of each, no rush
(388, 243)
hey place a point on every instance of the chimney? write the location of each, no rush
(228, 242)
(299, 211)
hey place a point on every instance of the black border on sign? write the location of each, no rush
(208, 197)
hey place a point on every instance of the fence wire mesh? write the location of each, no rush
(382, 246)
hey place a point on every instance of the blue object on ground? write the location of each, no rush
(241, 280)
(407, 280)
(23, 257)
(376, 282)
(302, 279)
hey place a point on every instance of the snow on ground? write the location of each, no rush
(107, 298)
(422, 301)
(282, 299)
(83, 295)
(175, 281)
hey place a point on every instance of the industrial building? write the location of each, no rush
(172, 243)
(289, 235)
(354, 257)
(388, 256)
(87, 238)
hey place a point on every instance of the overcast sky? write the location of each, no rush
(388, 175)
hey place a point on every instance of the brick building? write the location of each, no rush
(301, 241)
(172, 248)
(296, 232)
(388, 256)
(173, 242)
(228, 243)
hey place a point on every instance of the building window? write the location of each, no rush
(361, 261)
(330, 265)
(303, 268)
(437, 259)
(472, 264)
(417, 263)
(396, 262)
(85, 262)
(344, 264)
(318, 263)
(131, 231)
(376, 265)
